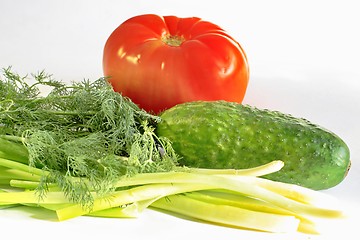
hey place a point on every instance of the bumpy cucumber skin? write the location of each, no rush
(229, 135)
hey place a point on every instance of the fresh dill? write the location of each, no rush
(84, 134)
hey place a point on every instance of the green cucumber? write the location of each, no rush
(221, 134)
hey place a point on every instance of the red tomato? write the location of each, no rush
(159, 62)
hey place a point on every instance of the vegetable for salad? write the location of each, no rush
(222, 134)
(83, 149)
(161, 61)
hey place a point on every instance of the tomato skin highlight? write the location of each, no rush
(159, 62)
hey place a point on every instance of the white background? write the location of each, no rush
(303, 56)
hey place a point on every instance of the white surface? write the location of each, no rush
(303, 58)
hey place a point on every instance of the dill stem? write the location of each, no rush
(69, 113)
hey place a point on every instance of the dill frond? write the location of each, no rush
(85, 134)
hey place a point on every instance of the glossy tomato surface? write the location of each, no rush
(159, 62)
